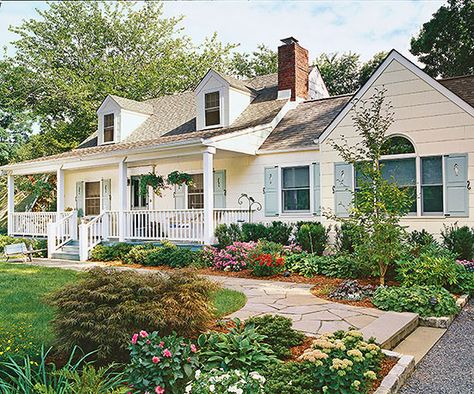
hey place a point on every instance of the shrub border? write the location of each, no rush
(398, 375)
(443, 321)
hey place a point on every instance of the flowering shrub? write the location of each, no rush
(468, 264)
(14, 342)
(231, 258)
(160, 364)
(266, 259)
(219, 381)
(336, 363)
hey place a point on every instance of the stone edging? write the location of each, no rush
(398, 375)
(444, 321)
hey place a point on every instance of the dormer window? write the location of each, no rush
(212, 109)
(109, 128)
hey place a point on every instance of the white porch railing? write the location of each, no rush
(92, 233)
(61, 232)
(33, 224)
(230, 215)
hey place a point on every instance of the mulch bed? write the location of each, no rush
(387, 364)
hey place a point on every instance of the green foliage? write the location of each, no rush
(278, 332)
(465, 281)
(100, 311)
(433, 267)
(279, 232)
(228, 234)
(114, 252)
(263, 61)
(336, 363)
(266, 259)
(459, 240)
(378, 203)
(15, 341)
(254, 232)
(138, 254)
(227, 301)
(312, 237)
(424, 300)
(305, 264)
(241, 348)
(346, 235)
(219, 381)
(172, 256)
(419, 240)
(343, 73)
(72, 55)
(166, 362)
(179, 178)
(30, 376)
(445, 44)
(156, 182)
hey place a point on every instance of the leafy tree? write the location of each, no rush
(78, 52)
(261, 62)
(378, 203)
(369, 67)
(445, 43)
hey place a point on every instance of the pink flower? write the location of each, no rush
(134, 339)
(148, 341)
(161, 344)
(166, 353)
(155, 360)
(159, 390)
(143, 334)
(193, 348)
(189, 359)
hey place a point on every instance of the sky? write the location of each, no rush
(363, 27)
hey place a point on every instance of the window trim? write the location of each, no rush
(132, 190)
(443, 186)
(187, 194)
(114, 128)
(221, 108)
(281, 190)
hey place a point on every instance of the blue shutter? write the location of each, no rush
(271, 191)
(316, 189)
(80, 198)
(219, 189)
(106, 195)
(179, 197)
(457, 194)
(343, 186)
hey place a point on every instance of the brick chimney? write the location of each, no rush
(293, 68)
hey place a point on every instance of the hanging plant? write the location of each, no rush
(180, 178)
(156, 182)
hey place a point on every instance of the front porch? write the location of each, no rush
(108, 209)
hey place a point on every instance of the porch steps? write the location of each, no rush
(70, 252)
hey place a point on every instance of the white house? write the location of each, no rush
(265, 137)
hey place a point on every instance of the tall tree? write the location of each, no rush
(78, 52)
(445, 43)
(261, 62)
(370, 65)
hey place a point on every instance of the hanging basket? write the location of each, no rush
(180, 178)
(156, 182)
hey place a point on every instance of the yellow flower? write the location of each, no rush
(370, 375)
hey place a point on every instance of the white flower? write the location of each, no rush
(257, 376)
(189, 387)
(212, 388)
(197, 374)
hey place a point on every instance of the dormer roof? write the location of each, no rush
(132, 105)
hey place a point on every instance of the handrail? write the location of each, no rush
(62, 231)
(91, 234)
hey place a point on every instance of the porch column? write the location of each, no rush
(208, 178)
(122, 197)
(10, 201)
(60, 190)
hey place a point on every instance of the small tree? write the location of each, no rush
(377, 203)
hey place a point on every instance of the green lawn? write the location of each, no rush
(23, 311)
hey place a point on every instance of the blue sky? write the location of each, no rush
(363, 27)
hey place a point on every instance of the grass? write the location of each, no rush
(25, 317)
(227, 301)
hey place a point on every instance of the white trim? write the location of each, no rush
(280, 190)
(221, 108)
(394, 55)
(289, 150)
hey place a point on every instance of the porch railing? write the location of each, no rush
(61, 232)
(230, 215)
(93, 233)
(33, 224)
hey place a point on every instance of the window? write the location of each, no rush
(92, 198)
(196, 192)
(397, 145)
(295, 189)
(212, 109)
(403, 173)
(139, 201)
(109, 128)
(432, 185)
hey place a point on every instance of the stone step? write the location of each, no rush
(391, 328)
(70, 249)
(65, 256)
(419, 342)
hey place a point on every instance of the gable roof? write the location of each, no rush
(132, 105)
(462, 86)
(394, 55)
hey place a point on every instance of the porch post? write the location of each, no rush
(10, 201)
(122, 197)
(60, 190)
(208, 177)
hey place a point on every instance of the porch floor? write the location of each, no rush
(309, 314)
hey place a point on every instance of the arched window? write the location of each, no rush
(397, 145)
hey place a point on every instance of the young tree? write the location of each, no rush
(445, 43)
(378, 203)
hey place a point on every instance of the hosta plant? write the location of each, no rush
(218, 381)
(241, 348)
(160, 364)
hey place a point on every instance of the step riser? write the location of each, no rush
(65, 256)
(70, 249)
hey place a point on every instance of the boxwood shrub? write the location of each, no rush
(113, 252)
